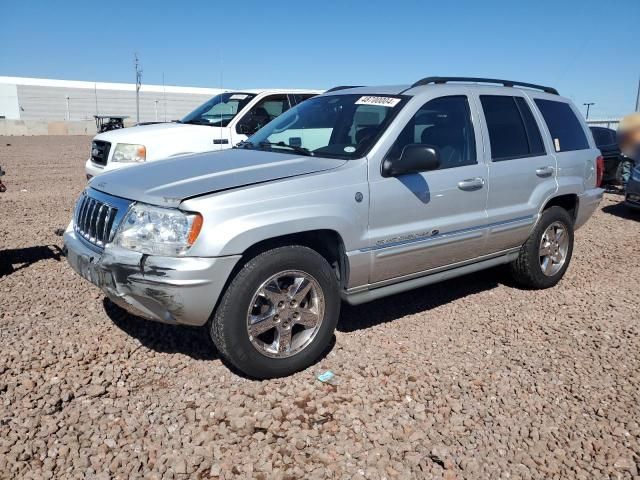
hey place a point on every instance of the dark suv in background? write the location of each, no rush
(607, 142)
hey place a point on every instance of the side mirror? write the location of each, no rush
(414, 158)
(245, 129)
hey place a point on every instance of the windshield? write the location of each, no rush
(220, 110)
(335, 126)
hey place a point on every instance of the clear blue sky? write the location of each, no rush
(588, 49)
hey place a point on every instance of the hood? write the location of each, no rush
(169, 182)
(151, 134)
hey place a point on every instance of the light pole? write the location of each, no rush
(138, 85)
(68, 113)
(588, 105)
(156, 102)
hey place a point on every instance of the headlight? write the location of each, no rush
(129, 153)
(158, 231)
(635, 174)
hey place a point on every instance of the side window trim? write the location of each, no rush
(527, 129)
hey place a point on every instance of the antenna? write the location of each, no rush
(138, 85)
(221, 90)
(164, 98)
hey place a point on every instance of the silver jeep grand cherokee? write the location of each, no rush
(353, 195)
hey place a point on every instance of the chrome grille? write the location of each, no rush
(94, 220)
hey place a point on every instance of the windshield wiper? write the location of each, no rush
(295, 148)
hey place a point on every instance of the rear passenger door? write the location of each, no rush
(522, 169)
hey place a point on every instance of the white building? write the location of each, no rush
(65, 100)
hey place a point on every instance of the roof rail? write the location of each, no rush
(342, 87)
(506, 83)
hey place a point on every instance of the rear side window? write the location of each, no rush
(565, 128)
(513, 132)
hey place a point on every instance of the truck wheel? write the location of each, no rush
(547, 252)
(279, 312)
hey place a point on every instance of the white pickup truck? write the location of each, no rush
(220, 123)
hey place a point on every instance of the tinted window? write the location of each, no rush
(444, 123)
(507, 132)
(536, 146)
(565, 128)
(603, 136)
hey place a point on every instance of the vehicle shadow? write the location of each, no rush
(194, 342)
(161, 337)
(622, 211)
(422, 299)
(17, 259)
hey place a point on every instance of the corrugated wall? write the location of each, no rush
(49, 103)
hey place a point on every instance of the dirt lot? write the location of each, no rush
(472, 378)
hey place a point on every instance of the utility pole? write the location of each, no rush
(95, 92)
(156, 102)
(138, 85)
(588, 105)
(638, 97)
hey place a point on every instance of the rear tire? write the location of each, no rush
(278, 314)
(545, 256)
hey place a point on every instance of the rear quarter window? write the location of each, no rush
(566, 130)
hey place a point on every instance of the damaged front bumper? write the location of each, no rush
(177, 290)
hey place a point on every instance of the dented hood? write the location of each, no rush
(169, 182)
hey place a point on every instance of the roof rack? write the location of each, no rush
(342, 87)
(506, 83)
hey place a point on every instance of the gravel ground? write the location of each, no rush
(472, 378)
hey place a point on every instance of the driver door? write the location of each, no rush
(259, 115)
(423, 221)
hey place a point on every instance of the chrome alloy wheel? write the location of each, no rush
(285, 314)
(554, 246)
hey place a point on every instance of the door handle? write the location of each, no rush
(544, 172)
(471, 184)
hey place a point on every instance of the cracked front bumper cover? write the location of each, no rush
(177, 290)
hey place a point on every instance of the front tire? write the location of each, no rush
(545, 256)
(278, 314)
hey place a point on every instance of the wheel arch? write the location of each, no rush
(568, 201)
(328, 243)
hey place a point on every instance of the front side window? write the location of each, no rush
(565, 128)
(220, 110)
(301, 97)
(262, 113)
(336, 126)
(513, 132)
(444, 123)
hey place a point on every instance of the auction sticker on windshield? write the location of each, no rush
(380, 101)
